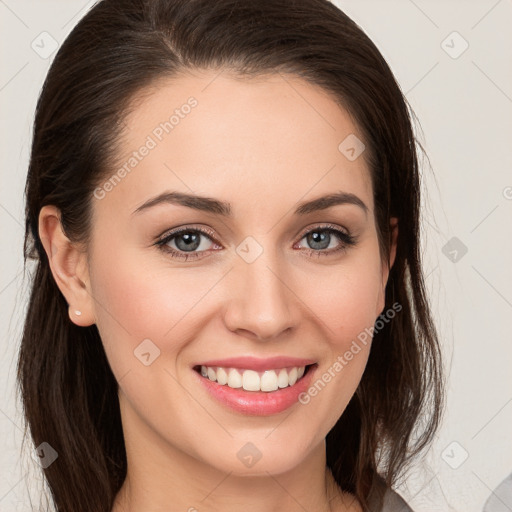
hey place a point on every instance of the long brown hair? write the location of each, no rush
(120, 47)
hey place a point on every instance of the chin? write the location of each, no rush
(258, 457)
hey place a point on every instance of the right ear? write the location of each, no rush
(68, 265)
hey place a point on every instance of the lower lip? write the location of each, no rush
(258, 403)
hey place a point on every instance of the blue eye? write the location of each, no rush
(318, 236)
(188, 240)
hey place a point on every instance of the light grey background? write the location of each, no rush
(464, 103)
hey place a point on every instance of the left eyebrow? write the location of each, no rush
(210, 205)
(324, 202)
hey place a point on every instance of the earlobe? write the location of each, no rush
(67, 266)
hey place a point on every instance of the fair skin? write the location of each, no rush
(264, 146)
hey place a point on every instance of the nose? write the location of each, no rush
(262, 302)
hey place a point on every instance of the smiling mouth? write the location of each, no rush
(250, 380)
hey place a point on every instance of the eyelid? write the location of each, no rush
(323, 226)
(188, 227)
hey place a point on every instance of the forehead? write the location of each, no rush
(251, 141)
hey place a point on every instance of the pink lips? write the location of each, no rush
(258, 403)
(256, 364)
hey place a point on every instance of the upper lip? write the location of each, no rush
(256, 364)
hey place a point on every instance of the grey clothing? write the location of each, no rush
(392, 501)
(501, 498)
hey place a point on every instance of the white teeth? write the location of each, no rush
(269, 381)
(282, 380)
(234, 379)
(222, 376)
(250, 380)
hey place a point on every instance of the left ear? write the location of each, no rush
(386, 265)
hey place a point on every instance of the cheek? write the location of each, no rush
(346, 300)
(134, 301)
(345, 297)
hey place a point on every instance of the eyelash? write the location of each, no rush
(346, 239)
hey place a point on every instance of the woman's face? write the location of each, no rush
(268, 279)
